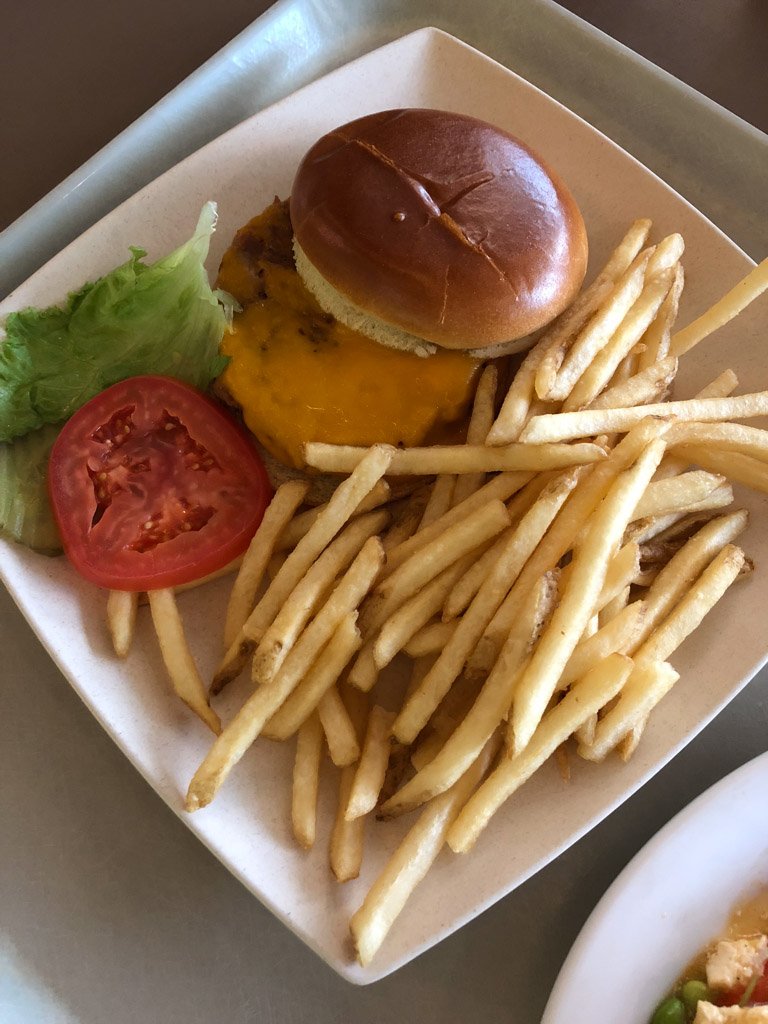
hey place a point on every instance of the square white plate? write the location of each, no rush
(248, 825)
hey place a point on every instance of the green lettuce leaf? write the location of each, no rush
(25, 513)
(157, 318)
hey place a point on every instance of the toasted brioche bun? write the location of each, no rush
(419, 225)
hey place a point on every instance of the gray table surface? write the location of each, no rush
(110, 910)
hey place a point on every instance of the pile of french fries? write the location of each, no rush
(539, 579)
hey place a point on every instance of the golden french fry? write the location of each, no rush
(286, 500)
(646, 685)
(570, 326)
(628, 745)
(299, 526)
(440, 499)
(121, 619)
(415, 613)
(347, 837)
(585, 699)
(676, 492)
(731, 304)
(693, 606)
(474, 731)
(241, 732)
(576, 606)
(411, 861)
(683, 568)
(466, 458)
(500, 487)
(372, 766)
(622, 569)
(597, 375)
(407, 518)
(340, 508)
(309, 592)
(518, 549)
(306, 779)
(729, 437)
(565, 425)
(615, 636)
(587, 495)
(430, 639)
(178, 657)
(321, 677)
(480, 422)
(430, 560)
(646, 386)
(657, 338)
(743, 469)
(601, 328)
(339, 729)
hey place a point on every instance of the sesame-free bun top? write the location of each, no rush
(439, 225)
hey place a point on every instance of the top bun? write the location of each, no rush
(439, 225)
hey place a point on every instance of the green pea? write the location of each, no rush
(693, 991)
(671, 1011)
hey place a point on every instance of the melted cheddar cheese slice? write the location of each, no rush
(299, 375)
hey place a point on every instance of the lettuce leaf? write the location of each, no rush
(25, 513)
(157, 318)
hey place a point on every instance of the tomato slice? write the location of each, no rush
(153, 484)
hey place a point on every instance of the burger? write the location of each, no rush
(416, 246)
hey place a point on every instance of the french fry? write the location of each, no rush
(407, 518)
(677, 492)
(657, 338)
(480, 422)
(518, 549)
(559, 539)
(646, 685)
(683, 568)
(566, 425)
(591, 693)
(329, 458)
(730, 437)
(440, 500)
(430, 639)
(568, 327)
(600, 329)
(338, 727)
(299, 526)
(241, 732)
(303, 600)
(731, 304)
(481, 720)
(500, 487)
(306, 779)
(372, 766)
(347, 837)
(576, 606)
(411, 861)
(616, 636)
(178, 658)
(598, 373)
(415, 613)
(122, 606)
(321, 677)
(431, 559)
(646, 386)
(340, 508)
(469, 584)
(286, 500)
(743, 469)
(693, 606)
